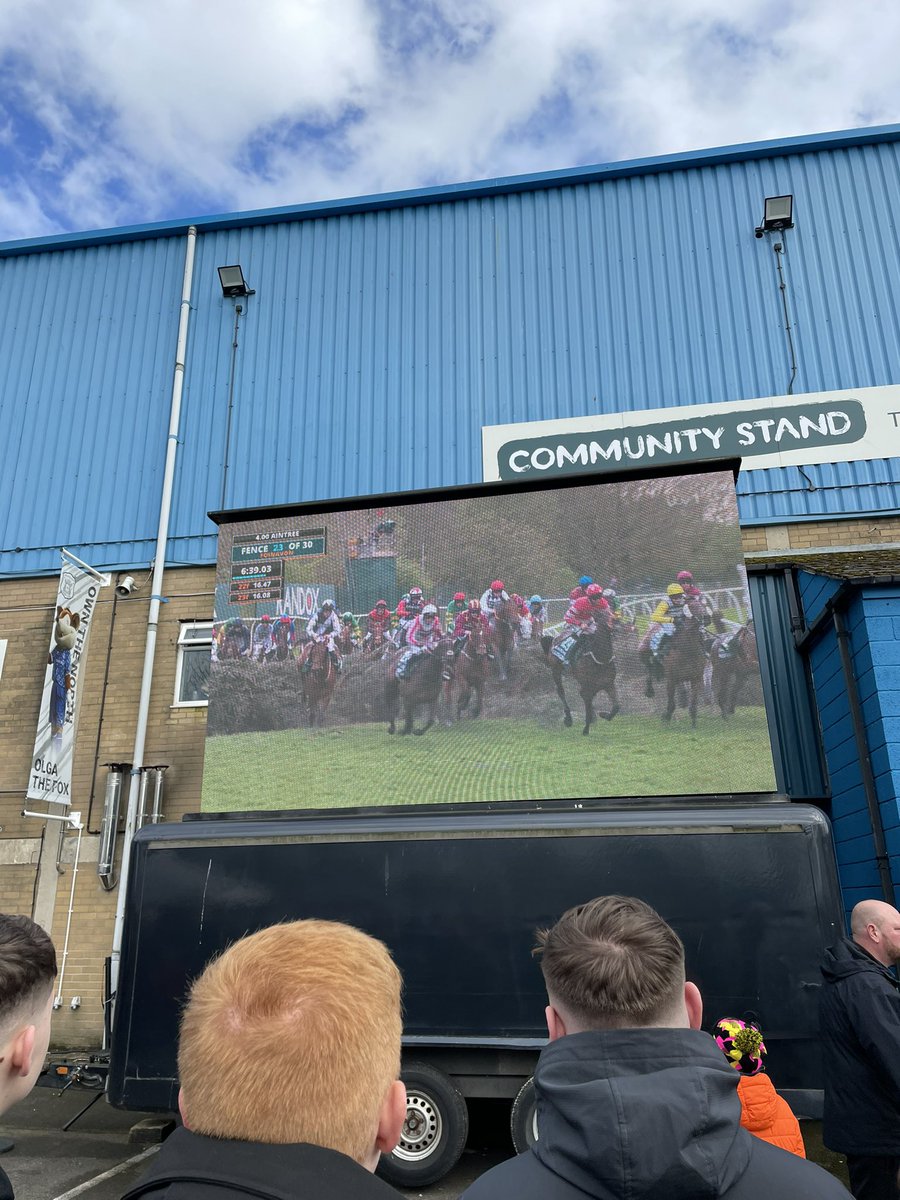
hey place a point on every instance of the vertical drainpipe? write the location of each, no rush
(159, 563)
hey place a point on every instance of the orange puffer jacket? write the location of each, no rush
(767, 1115)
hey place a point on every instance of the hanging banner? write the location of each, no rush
(779, 431)
(51, 765)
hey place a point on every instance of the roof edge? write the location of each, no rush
(444, 193)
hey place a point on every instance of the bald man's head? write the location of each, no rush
(875, 926)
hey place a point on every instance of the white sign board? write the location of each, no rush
(779, 431)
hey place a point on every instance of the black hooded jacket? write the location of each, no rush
(859, 1009)
(192, 1167)
(646, 1114)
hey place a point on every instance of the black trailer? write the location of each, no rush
(751, 887)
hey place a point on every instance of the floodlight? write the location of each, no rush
(778, 214)
(233, 282)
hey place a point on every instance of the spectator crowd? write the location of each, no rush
(289, 1066)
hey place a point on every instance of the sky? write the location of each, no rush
(120, 112)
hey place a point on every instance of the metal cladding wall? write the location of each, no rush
(793, 722)
(873, 625)
(385, 333)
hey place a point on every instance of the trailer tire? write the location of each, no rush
(434, 1132)
(523, 1118)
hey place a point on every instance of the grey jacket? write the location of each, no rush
(646, 1114)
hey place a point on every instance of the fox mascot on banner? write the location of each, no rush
(65, 632)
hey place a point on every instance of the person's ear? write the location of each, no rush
(184, 1119)
(693, 1002)
(21, 1053)
(556, 1026)
(391, 1117)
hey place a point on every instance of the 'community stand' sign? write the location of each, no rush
(782, 431)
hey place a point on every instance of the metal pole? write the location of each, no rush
(159, 563)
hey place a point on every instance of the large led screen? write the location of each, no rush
(581, 641)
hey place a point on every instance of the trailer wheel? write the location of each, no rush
(434, 1132)
(523, 1118)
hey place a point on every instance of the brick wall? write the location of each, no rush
(811, 535)
(110, 685)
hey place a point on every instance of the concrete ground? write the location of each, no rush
(96, 1161)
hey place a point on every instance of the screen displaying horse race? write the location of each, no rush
(583, 641)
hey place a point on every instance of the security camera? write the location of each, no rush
(125, 586)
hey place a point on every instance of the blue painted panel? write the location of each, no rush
(87, 342)
(843, 779)
(873, 709)
(885, 672)
(867, 682)
(852, 825)
(384, 335)
(886, 605)
(815, 592)
(856, 865)
(890, 807)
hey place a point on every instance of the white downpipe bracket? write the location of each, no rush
(159, 562)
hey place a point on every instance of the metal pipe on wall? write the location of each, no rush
(159, 562)
(158, 782)
(109, 825)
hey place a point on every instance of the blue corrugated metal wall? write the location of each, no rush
(793, 723)
(379, 343)
(873, 623)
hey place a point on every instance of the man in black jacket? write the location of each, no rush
(633, 1100)
(860, 1018)
(288, 1060)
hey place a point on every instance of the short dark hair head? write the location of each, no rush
(613, 963)
(27, 964)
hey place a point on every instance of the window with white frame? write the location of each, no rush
(192, 665)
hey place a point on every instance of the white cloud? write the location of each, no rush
(186, 106)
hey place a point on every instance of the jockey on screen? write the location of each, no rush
(407, 611)
(237, 637)
(324, 626)
(701, 604)
(537, 610)
(262, 638)
(470, 619)
(693, 593)
(493, 597)
(379, 620)
(422, 637)
(599, 605)
(581, 588)
(456, 606)
(348, 621)
(578, 621)
(662, 619)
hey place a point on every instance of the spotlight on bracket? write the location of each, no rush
(233, 282)
(778, 214)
